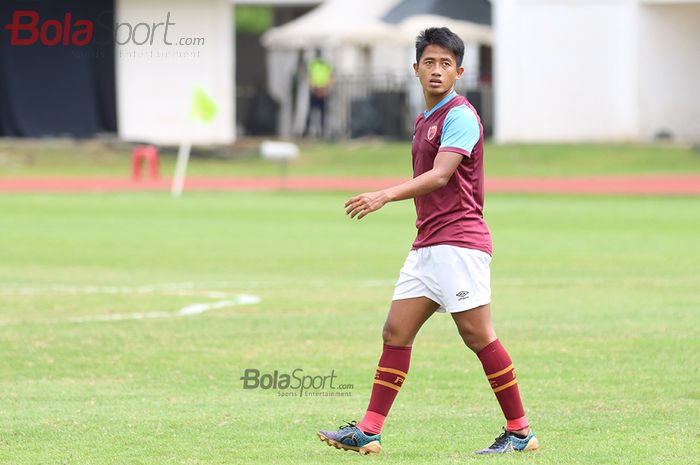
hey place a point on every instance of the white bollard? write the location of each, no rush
(279, 151)
(283, 152)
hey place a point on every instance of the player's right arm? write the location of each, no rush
(445, 165)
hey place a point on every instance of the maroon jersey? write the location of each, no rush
(453, 214)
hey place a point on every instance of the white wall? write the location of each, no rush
(565, 70)
(155, 82)
(669, 70)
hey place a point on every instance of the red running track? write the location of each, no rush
(622, 185)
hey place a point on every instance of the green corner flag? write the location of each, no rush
(203, 107)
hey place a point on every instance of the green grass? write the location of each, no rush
(595, 297)
(352, 159)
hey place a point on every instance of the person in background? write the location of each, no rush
(321, 80)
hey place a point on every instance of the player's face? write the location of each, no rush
(437, 70)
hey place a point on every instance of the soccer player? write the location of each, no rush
(448, 267)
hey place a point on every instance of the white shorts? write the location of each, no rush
(456, 278)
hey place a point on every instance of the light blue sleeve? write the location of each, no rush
(460, 131)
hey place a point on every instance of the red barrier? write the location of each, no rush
(141, 153)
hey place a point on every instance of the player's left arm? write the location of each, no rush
(460, 134)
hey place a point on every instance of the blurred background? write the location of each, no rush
(625, 70)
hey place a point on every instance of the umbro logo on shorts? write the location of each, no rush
(463, 295)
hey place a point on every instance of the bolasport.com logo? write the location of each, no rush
(295, 383)
(29, 28)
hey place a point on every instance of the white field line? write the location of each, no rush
(194, 309)
(226, 299)
(118, 317)
(191, 289)
(111, 290)
(242, 299)
(180, 289)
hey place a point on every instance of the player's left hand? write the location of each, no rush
(364, 204)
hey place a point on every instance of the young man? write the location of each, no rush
(447, 269)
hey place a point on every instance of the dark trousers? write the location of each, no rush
(316, 103)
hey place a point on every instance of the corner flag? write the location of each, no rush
(203, 110)
(203, 107)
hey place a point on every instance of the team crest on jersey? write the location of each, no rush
(432, 131)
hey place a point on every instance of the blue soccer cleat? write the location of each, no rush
(350, 437)
(508, 442)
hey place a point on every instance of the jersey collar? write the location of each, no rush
(449, 97)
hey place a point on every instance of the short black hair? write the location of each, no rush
(443, 37)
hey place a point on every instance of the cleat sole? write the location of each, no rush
(372, 448)
(534, 444)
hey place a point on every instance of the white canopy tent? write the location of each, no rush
(340, 22)
(352, 35)
(344, 31)
(332, 24)
(405, 32)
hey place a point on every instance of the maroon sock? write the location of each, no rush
(390, 375)
(500, 372)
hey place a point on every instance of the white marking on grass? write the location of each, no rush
(112, 290)
(204, 289)
(197, 309)
(194, 309)
(177, 289)
(183, 289)
(120, 317)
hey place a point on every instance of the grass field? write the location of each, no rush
(597, 299)
(363, 158)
